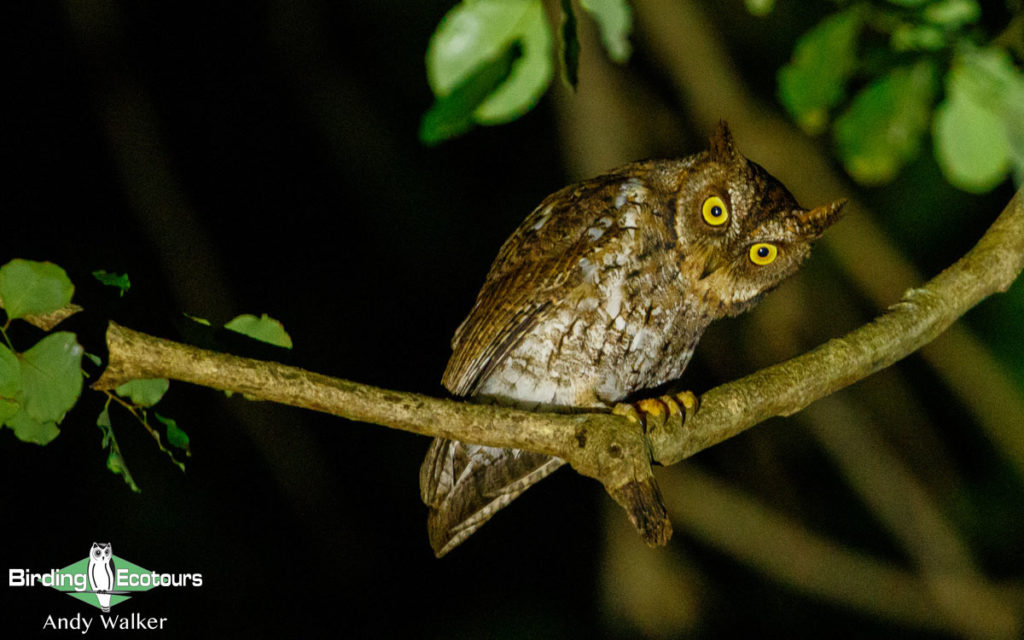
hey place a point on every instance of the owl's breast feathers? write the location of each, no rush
(585, 302)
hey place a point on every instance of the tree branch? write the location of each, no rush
(682, 40)
(603, 446)
(923, 313)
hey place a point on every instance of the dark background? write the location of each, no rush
(264, 159)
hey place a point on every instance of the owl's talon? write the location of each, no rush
(655, 411)
(664, 412)
(686, 403)
(628, 411)
(690, 402)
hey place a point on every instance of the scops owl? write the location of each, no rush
(604, 290)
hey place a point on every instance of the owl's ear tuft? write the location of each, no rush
(722, 147)
(812, 224)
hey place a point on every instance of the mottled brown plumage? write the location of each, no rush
(605, 290)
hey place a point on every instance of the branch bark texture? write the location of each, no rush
(607, 447)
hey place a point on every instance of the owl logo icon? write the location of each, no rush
(101, 573)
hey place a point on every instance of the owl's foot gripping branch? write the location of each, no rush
(664, 415)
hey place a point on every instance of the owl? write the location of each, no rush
(604, 291)
(101, 574)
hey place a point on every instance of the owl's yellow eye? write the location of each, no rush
(763, 253)
(714, 211)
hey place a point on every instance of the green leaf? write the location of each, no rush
(615, 20)
(8, 408)
(10, 384)
(118, 280)
(47, 383)
(570, 46)
(145, 392)
(10, 373)
(970, 143)
(979, 128)
(917, 37)
(33, 288)
(202, 321)
(477, 31)
(175, 436)
(823, 60)
(759, 8)
(882, 129)
(997, 82)
(952, 14)
(51, 377)
(452, 115)
(115, 461)
(264, 328)
(28, 429)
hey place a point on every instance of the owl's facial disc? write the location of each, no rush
(763, 239)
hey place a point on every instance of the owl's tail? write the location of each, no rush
(465, 484)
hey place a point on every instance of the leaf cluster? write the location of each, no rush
(490, 61)
(883, 75)
(40, 384)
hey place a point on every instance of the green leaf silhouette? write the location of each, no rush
(882, 129)
(264, 328)
(476, 32)
(823, 60)
(144, 392)
(614, 19)
(28, 287)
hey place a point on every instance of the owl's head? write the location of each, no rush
(100, 551)
(740, 230)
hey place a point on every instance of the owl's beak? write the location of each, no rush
(712, 263)
(812, 224)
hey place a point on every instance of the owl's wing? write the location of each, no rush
(537, 268)
(534, 268)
